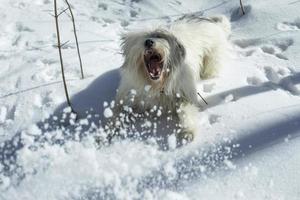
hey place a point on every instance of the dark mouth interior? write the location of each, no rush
(154, 65)
(155, 57)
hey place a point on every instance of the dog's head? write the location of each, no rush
(155, 54)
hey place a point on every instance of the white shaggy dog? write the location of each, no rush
(162, 66)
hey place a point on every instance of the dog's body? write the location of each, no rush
(162, 66)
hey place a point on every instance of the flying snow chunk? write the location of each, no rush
(147, 88)
(148, 124)
(172, 141)
(229, 164)
(158, 114)
(108, 113)
(73, 116)
(105, 104)
(84, 122)
(34, 130)
(133, 92)
(4, 182)
(67, 110)
(112, 104)
(170, 170)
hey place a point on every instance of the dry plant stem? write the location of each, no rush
(60, 55)
(242, 7)
(202, 98)
(75, 34)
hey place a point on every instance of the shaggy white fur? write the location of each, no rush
(162, 66)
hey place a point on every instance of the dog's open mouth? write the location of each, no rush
(154, 64)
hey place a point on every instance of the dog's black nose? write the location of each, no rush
(149, 43)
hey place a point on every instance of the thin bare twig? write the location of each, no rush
(242, 7)
(60, 56)
(202, 98)
(75, 34)
(65, 43)
(51, 14)
(64, 10)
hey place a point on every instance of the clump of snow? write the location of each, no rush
(158, 113)
(229, 164)
(84, 122)
(3, 114)
(34, 130)
(147, 88)
(172, 141)
(67, 110)
(105, 104)
(108, 113)
(112, 104)
(133, 92)
(4, 182)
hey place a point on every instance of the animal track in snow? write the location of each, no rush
(46, 74)
(245, 43)
(108, 20)
(272, 75)
(273, 47)
(44, 100)
(284, 44)
(286, 83)
(208, 87)
(133, 13)
(11, 113)
(272, 50)
(213, 118)
(254, 81)
(289, 26)
(103, 6)
(124, 23)
(236, 13)
(20, 27)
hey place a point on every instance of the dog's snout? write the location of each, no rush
(149, 43)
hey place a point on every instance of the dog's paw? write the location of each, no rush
(184, 137)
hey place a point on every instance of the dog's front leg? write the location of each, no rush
(188, 123)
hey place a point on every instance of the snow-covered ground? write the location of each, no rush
(247, 146)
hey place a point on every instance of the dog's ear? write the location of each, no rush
(129, 40)
(130, 44)
(180, 49)
(124, 42)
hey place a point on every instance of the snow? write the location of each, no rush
(3, 113)
(172, 141)
(247, 145)
(147, 88)
(108, 113)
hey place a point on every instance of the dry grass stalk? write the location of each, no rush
(242, 7)
(76, 39)
(56, 15)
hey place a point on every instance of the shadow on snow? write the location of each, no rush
(189, 168)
